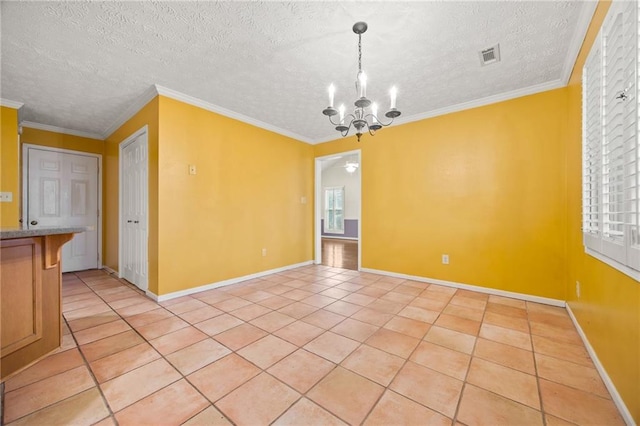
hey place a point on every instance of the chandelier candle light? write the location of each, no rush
(360, 118)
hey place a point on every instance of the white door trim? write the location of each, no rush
(25, 185)
(121, 148)
(318, 206)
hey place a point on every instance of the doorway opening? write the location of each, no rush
(337, 210)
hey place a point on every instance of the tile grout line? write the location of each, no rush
(471, 355)
(406, 360)
(256, 287)
(88, 367)
(212, 403)
(302, 395)
(146, 341)
(535, 368)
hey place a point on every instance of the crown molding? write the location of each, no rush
(169, 93)
(500, 97)
(584, 20)
(132, 110)
(56, 129)
(157, 90)
(10, 104)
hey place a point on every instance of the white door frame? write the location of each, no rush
(121, 148)
(318, 206)
(25, 186)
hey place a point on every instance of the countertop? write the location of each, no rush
(17, 232)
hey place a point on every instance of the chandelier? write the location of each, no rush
(361, 120)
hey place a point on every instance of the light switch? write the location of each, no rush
(192, 169)
(6, 197)
(303, 200)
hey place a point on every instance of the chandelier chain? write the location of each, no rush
(359, 53)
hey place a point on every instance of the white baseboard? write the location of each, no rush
(230, 281)
(617, 399)
(479, 289)
(109, 270)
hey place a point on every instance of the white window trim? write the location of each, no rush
(614, 264)
(621, 255)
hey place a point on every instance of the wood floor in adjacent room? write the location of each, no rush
(338, 253)
(310, 346)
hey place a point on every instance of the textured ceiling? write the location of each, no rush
(79, 65)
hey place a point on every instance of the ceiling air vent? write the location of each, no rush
(490, 55)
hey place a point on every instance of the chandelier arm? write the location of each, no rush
(345, 117)
(378, 120)
(346, 132)
(331, 121)
(371, 131)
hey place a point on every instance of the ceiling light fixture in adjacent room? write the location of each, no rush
(361, 119)
(351, 166)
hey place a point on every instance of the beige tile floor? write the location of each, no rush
(314, 345)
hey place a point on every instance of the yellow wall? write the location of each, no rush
(608, 309)
(62, 141)
(10, 166)
(148, 116)
(499, 189)
(486, 186)
(244, 197)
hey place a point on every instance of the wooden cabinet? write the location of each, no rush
(30, 289)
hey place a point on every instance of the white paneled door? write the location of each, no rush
(133, 218)
(62, 190)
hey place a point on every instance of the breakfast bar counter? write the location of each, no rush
(30, 294)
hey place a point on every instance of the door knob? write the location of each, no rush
(34, 222)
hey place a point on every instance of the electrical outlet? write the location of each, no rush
(445, 259)
(578, 289)
(6, 197)
(192, 169)
(264, 252)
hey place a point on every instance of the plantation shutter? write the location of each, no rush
(618, 62)
(610, 141)
(591, 146)
(631, 146)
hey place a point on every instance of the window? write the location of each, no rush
(610, 147)
(334, 210)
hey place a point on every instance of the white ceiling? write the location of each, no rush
(82, 65)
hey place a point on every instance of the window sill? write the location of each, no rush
(614, 264)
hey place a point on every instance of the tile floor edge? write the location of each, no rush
(611, 387)
(479, 289)
(223, 283)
